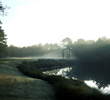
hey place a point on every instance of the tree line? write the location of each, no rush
(92, 51)
(88, 50)
(81, 49)
(14, 51)
(35, 50)
(92, 60)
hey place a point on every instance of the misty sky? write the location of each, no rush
(30, 22)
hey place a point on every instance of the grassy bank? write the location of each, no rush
(21, 80)
(14, 85)
(65, 88)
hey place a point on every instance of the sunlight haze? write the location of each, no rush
(30, 22)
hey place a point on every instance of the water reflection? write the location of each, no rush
(91, 83)
(64, 71)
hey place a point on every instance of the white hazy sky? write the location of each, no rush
(30, 22)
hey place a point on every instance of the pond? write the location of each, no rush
(91, 83)
(68, 72)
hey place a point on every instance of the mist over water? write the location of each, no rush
(35, 57)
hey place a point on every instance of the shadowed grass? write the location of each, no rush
(14, 85)
(22, 88)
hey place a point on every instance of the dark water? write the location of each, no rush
(92, 83)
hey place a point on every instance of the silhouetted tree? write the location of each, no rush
(67, 44)
(3, 42)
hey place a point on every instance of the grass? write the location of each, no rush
(47, 64)
(22, 88)
(16, 86)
